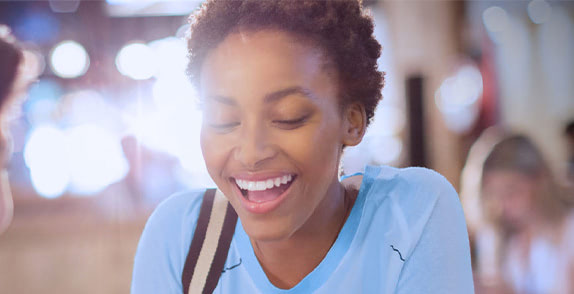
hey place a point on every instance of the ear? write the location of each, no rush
(354, 124)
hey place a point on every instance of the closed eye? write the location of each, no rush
(292, 123)
(224, 127)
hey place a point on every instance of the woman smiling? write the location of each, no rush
(285, 86)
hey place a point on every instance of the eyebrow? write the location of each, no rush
(271, 97)
(224, 100)
(278, 95)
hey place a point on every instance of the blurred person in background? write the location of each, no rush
(567, 174)
(525, 242)
(15, 77)
(569, 134)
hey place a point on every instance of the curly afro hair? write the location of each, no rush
(340, 27)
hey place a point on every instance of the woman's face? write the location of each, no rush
(273, 130)
(509, 197)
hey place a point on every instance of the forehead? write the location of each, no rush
(266, 60)
(506, 179)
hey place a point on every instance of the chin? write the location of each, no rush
(266, 230)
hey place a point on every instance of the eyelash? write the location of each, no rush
(225, 127)
(292, 123)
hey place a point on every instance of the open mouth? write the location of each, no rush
(265, 190)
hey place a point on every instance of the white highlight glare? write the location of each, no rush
(136, 61)
(183, 32)
(45, 154)
(495, 19)
(175, 133)
(96, 159)
(386, 150)
(389, 121)
(173, 95)
(457, 98)
(69, 59)
(171, 57)
(85, 159)
(90, 107)
(173, 123)
(173, 127)
(539, 11)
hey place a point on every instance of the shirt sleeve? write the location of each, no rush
(163, 246)
(440, 260)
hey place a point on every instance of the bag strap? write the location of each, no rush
(210, 244)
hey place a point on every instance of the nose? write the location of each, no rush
(255, 147)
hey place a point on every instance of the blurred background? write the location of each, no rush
(111, 127)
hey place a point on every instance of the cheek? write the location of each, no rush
(522, 204)
(315, 148)
(214, 153)
(327, 141)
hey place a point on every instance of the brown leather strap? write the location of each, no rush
(220, 229)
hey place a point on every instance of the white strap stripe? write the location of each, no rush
(209, 246)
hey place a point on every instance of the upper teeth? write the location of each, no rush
(263, 185)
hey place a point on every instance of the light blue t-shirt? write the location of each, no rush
(406, 233)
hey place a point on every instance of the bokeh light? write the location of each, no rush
(386, 149)
(43, 102)
(83, 160)
(136, 61)
(96, 159)
(457, 98)
(174, 94)
(90, 107)
(171, 57)
(40, 27)
(495, 19)
(69, 60)
(389, 120)
(46, 155)
(539, 11)
(173, 125)
(68, 6)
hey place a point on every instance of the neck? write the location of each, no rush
(287, 262)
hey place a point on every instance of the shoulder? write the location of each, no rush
(419, 216)
(429, 185)
(172, 223)
(421, 177)
(181, 207)
(164, 243)
(412, 186)
(412, 201)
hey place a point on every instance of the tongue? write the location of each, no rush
(266, 195)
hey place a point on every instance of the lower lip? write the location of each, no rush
(262, 207)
